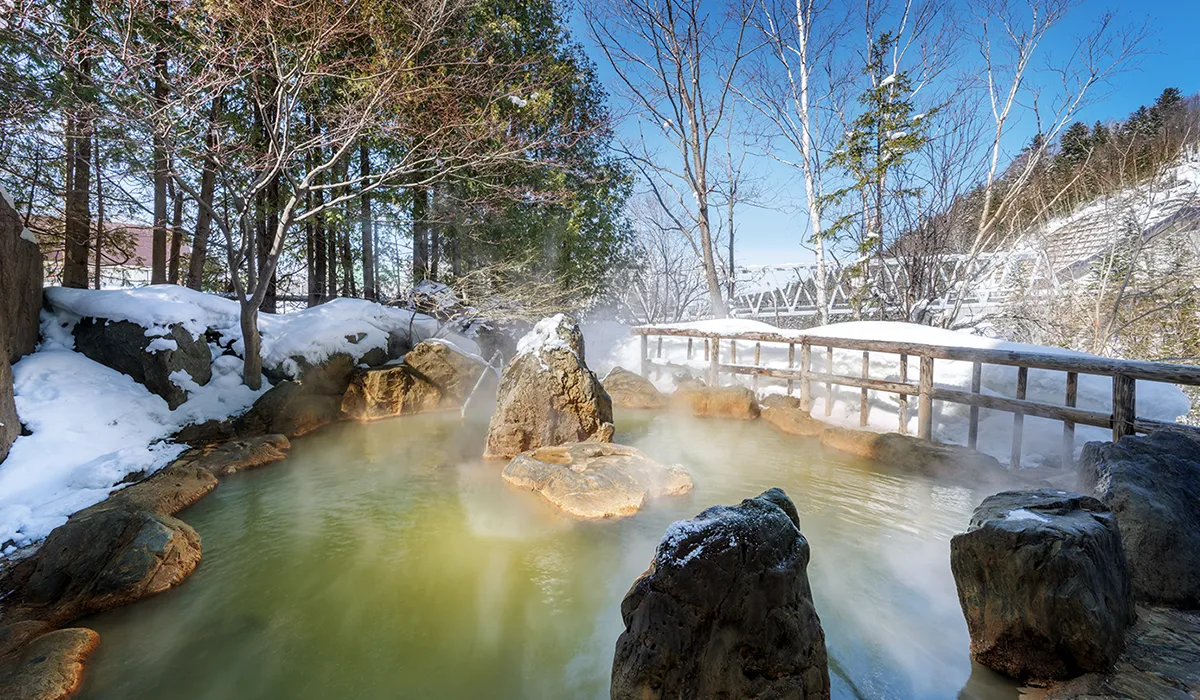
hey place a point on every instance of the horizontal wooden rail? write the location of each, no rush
(1122, 420)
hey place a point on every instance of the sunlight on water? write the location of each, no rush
(386, 560)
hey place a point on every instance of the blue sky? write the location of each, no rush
(1170, 58)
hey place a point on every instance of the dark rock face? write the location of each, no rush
(629, 390)
(547, 394)
(111, 554)
(1043, 583)
(1152, 484)
(288, 409)
(724, 611)
(432, 377)
(332, 376)
(122, 346)
(20, 303)
(20, 286)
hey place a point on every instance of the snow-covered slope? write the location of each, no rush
(1042, 438)
(92, 427)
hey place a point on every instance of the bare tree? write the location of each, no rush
(667, 285)
(678, 61)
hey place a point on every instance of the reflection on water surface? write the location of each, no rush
(386, 560)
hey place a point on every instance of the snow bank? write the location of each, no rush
(93, 427)
(1042, 438)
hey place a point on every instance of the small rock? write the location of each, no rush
(912, 455)
(785, 413)
(596, 480)
(629, 390)
(433, 377)
(1152, 484)
(716, 402)
(724, 611)
(48, 668)
(547, 394)
(1043, 584)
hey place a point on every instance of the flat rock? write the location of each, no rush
(48, 668)
(596, 480)
(547, 394)
(433, 377)
(724, 611)
(630, 390)
(123, 346)
(786, 413)
(716, 402)
(912, 455)
(1043, 584)
(289, 409)
(237, 455)
(1152, 484)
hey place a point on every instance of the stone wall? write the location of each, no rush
(20, 303)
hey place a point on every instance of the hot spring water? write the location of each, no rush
(386, 560)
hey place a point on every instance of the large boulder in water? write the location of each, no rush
(289, 409)
(434, 376)
(1152, 484)
(724, 611)
(629, 390)
(547, 394)
(152, 361)
(48, 668)
(596, 480)
(912, 455)
(787, 414)
(1043, 584)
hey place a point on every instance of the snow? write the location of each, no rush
(888, 80)
(7, 199)
(544, 338)
(1042, 438)
(93, 428)
(28, 235)
(1023, 514)
(518, 100)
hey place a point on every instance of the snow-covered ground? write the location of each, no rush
(1042, 438)
(92, 427)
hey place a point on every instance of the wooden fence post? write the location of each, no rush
(903, 397)
(1019, 418)
(689, 348)
(757, 361)
(863, 403)
(925, 400)
(791, 364)
(976, 385)
(1068, 456)
(645, 356)
(713, 375)
(658, 368)
(1124, 406)
(805, 372)
(829, 385)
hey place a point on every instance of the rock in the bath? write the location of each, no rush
(1152, 483)
(785, 413)
(913, 455)
(288, 409)
(716, 401)
(1043, 584)
(630, 390)
(233, 455)
(332, 375)
(123, 346)
(110, 554)
(547, 394)
(724, 611)
(48, 668)
(433, 377)
(595, 479)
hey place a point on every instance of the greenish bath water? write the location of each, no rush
(386, 560)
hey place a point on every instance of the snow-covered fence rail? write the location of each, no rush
(1122, 419)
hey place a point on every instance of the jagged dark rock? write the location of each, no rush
(724, 611)
(122, 345)
(1043, 584)
(1152, 484)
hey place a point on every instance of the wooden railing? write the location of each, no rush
(1122, 420)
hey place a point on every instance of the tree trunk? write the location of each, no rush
(420, 234)
(96, 280)
(347, 253)
(158, 253)
(368, 233)
(264, 251)
(331, 234)
(176, 233)
(252, 341)
(320, 250)
(80, 124)
(208, 180)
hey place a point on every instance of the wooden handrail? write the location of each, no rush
(1123, 420)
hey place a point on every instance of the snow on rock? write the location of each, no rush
(544, 337)
(1042, 438)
